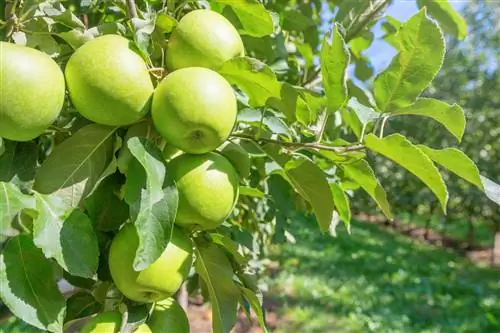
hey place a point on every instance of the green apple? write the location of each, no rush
(32, 92)
(161, 279)
(194, 109)
(144, 328)
(108, 322)
(170, 152)
(208, 189)
(238, 157)
(168, 317)
(203, 39)
(108, 82)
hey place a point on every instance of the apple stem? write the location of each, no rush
(336, 149)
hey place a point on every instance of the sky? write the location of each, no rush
(380, 52)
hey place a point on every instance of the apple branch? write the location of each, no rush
(312, 145)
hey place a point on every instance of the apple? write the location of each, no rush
(109, 322)
(108, 82)
(237, 156)
(203, 38)
(32, 92)
(168, 317)
(161, 279)
(208, 189)
(194, 109)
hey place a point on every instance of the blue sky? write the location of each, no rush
(381, 53)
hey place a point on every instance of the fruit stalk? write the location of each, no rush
(336, 149)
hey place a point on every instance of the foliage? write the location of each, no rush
(309, 130)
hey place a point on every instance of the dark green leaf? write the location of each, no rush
(214, 268)
(294, 20)
(455, 161)
(420, 57)
(449, 19)
(252, 15)
(81, 305)
(256, 306)
(18, 162)
(76, 165)
(452, 117)
(335, 58)
(65, 235)
(28, 287)
(397, 148)
(230, 246)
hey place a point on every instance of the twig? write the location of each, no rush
(337, 149)
(324, 120)
(382, 126)
(132, 10)
(10, 17)
(368, 17)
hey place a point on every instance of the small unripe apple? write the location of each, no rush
(208, 189)
(32, 92)
(108, 82)
(158, 281)
(203, 38)
(194, 109)
(168, 317)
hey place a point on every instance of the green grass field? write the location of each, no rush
(377, 281)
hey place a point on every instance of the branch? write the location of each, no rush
(366, 19)
(337, 149)
(132, 10)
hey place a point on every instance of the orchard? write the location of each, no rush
(149, 147)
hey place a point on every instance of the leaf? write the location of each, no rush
(251, 192)
(341, 204)
(335, 59)
(253, 77)
(12, 202)
(449, 19)
(165, 22)
(455, 161)
(66, 235)
(75, 166)
(397, 148)
(81, 305)
(18, 162)
(452, 117)
(59, 14)
(294, 20)
(231, 247)
(28, 287)
(256, 306)
(214, 268)
(491, 189)
(253, 16)
(153, 201)
(420, 57)
(364, 113)
(361, 172)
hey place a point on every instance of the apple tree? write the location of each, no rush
(147, 145)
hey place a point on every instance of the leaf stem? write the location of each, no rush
(312, 145)
(132, 10)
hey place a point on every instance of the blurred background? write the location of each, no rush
(423, 272)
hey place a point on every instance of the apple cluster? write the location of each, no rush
(193, 108)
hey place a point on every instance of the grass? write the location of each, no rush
(377, 281)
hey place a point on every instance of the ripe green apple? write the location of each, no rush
(108, 322)
(144, 328)
(203, 39)
(108, 82)
(32, 92)
(168, 317)
(161, 279)
(208, 189)
(194, 109)
(237, 156)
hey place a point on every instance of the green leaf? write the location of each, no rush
(420, 57)
(341, 204)
(75, 166)
(256, 306)
(449, 19)
(361, 173)
(12, 202)
(251, 192)
(81, 305)
(335, 59)
(66, 235)
(28, 287)
(165, 22)
(311, 183)
(253, 16)
(452, 117)
(397, 148)
(231, 247)
(491, 189)
(455, 161)
(253, 77)
(214, 268)
(18, 162)
(61, 15)
(153, 201)
(294, 20)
